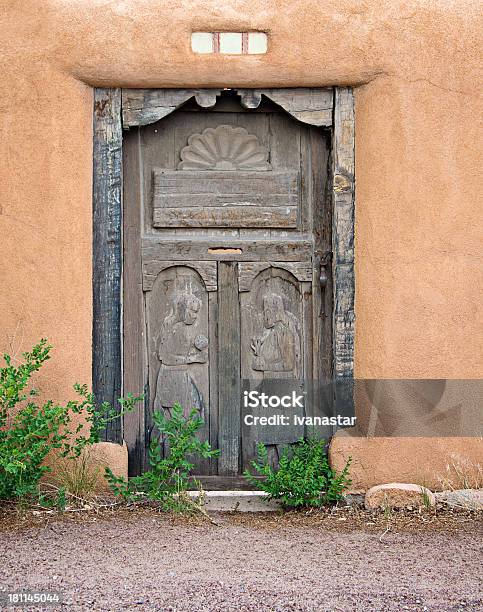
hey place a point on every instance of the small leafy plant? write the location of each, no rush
(303, 478)
(167, 480)
(29, 431)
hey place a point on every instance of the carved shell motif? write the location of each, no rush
(224, 148)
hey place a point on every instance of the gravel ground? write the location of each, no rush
(147, 561)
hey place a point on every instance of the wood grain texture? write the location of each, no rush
(145, 106)
(322, 211)
(214, 416)
(343, 233)
(312, 106)
(205, 249)
(237, 216)
(191, 188)
(229, 369)
(246, 275)
(106, 359)
(134, 325)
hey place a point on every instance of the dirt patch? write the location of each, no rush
(336, 518)
(341, 559)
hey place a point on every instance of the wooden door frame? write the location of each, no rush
(115, 110)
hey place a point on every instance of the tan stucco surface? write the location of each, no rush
(437, 463)
(415, 69)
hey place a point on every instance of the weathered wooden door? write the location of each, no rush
(227, 233)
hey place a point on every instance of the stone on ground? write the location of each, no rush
(468, 499)
(398, 495)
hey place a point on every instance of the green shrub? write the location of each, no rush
(303, 477)
(167, 480)
(29, 431)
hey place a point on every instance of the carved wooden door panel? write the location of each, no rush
(226, 237)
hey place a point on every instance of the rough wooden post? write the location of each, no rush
(106, 361)
(343, 246)
(229, 369)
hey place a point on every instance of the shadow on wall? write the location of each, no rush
(418, 408)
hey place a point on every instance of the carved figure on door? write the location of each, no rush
(278, 347)
(178, 346)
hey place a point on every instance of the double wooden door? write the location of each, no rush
(226, 245)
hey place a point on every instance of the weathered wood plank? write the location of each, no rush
(307, 221)
(106, 359)
(184, 188)
(213, 377)
(134, 328)
(229, 369)
(343, 233)
(285, 153)
(145, 106)
(226, 216)
(322, 223)
(217, 248)
(308, 105)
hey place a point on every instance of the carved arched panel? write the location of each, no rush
(272, 326)
(178, 343)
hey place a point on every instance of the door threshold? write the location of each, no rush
(221, 483)
(236, 501)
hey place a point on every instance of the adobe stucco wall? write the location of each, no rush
(414, 66)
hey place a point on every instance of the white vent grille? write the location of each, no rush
(229, 43)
